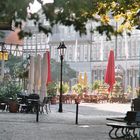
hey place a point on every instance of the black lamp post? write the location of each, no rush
(138, 27)
(61, 50)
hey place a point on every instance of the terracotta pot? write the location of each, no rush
(13, 107)
(53, 100)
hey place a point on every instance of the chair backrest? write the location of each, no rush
(136, 104)
(130, 117)
(46, 100)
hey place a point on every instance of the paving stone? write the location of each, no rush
(61, 126)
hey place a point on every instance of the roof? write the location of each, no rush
(13, 38)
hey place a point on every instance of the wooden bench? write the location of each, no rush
(125, 127)
(117, 119)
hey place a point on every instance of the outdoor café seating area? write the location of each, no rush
(91, 98)
(27, 103)
(23, 104)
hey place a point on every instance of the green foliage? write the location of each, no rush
(74, 13)
(78, 88)
(2, 93)
(52, 89)
(68, 73)
(96, 85)
(118, 87)
(129, 89)
(9, 90)
(15, 65)
(14, 10)
(65, 87)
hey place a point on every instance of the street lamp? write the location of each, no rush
(3, 57)
(138, 28)
(3, 52)
(61, 50)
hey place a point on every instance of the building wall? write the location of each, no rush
(89, 53)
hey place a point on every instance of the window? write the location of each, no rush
(85, 52)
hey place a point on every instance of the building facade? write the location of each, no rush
(89, 53)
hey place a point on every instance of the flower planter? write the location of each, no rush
(53, 100)
(13, 107)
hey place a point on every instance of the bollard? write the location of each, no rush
(37, 111)
(77, 101)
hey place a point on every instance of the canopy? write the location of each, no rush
(110, 71)
(37, 74)
(49, 68)
(44, 76)
(31, 75)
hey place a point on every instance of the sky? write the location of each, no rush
(36, 6)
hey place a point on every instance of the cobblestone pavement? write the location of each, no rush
(61, 126)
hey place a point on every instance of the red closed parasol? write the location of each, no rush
(110, 71)
(49, 68)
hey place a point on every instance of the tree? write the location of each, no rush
(78, 12)
(14, 10)
(75, 13)
(16, 69)
(14, 64)
(68, 73)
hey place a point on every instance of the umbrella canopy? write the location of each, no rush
(44, 76)
(110, 71)
(31, 75)
(37, 73)
(49, 79)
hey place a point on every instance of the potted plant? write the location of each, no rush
(78, 88)
(96, 85)
(65, 88)
(11, 91)
(52, 92)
